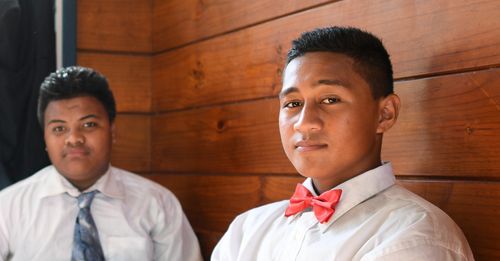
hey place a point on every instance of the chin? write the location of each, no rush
(75, 170)
(77, 175)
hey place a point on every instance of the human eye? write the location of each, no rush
(90, 124)
(330, 100)
(292, 104)
(58, 129)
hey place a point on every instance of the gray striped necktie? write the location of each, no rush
(86, 245)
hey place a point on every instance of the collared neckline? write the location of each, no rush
(356, 190)
(55, 184)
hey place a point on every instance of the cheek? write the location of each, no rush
(54, 147)
(360, 129)
(101, 143)
(285, 127)
(51, 143)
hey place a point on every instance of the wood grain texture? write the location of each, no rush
(180, 22)
(448, 126)
(276, 188)
(240, 138)
(132, 149)
(208, 240)
(211, 202)
(474, 206)
(115, 25)
(425, 38)
(129, 77)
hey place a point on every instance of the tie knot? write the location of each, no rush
(85, 199)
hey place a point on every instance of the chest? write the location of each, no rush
(46, 229)
(304, 238)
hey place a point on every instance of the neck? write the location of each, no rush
(322, 185)
(82, 185)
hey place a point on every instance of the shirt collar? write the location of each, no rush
(108, 184)
(357, 190)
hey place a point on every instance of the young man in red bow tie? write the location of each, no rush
(337, 101)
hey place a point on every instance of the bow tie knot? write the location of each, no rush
(322, 205)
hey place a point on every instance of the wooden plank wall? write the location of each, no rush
(114, 37)
(197, 85)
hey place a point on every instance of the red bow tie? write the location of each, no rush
(323, 205)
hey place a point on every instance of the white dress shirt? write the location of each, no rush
(136, 219)
(374, 220)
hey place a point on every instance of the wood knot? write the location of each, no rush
(198, 75)
(279, 49)
(279, 72)
(221, 125)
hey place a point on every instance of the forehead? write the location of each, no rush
(315, 66)
(74, 107)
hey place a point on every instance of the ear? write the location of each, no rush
(388, 112)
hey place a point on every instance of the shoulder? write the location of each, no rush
(259, 216)
(413, 207)
(136, 183)
(25, 188)
(18, 200)
(247, 227)
(143, 191)
(267, 210)
(416, 227)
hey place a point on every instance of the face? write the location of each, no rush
(78, 136)
(331, 126)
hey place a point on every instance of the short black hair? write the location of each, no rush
(371, 59)
(72, 82)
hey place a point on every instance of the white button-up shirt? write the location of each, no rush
(374, 220)
(136, 219)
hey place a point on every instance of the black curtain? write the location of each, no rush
(27, 56)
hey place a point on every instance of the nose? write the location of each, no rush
(309, 120)
(74, 138)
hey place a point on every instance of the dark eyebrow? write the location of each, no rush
(55, 121)
(332, 82)
(287, 91)
(89, 116)
(81, 119)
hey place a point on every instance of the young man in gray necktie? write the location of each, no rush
(82, 208)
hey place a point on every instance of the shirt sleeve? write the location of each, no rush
(172, 235)
(421, 252)
(4, 242)
(229, 246)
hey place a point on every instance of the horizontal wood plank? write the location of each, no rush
(241, 138)
(132, 147)
(129, 77)
(211, 202)
(115, 25)
(276, 188)
(431, 37)
(448, 126)
(180, 22)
